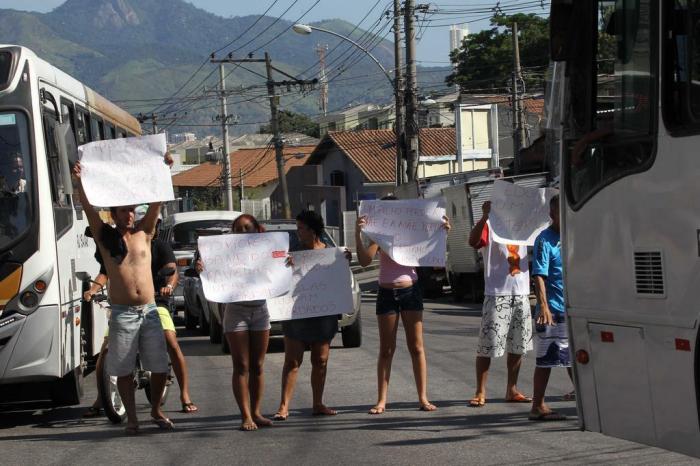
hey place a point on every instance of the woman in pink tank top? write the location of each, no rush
(398, 296)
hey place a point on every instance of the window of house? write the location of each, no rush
(337, 178)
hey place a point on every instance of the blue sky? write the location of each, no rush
(433, 48)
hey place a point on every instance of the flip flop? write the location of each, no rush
(377, 410)
(550, 416)
(280, 417)
(477, 402)
(163, 423)
(329, 412)
(92, 412)
(519, 398)
(427, 407)
(131, 430)
(189, 408)
(571, 396)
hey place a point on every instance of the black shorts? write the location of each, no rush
(395, 300)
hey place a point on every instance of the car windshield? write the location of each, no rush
(15, 178)
(184, 235)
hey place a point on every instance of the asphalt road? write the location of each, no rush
(496, 434)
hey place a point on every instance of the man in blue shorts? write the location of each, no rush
(551, 335)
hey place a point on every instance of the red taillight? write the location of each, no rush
(582, 356)
(682, 344)
(607, 337)
(184, 262)
(40, 286)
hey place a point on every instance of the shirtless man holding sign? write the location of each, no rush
(134, 325)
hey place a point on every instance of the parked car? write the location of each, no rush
(180, 231)
(349, 324)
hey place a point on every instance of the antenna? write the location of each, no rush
(322, 79)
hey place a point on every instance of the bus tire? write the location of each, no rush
(190, 321)
(109, 396)
(203, 324)
(68, 390)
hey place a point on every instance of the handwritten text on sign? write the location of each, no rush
(410, 231)
(518, 213)
(126, 171)
(244, 267)
(320, 286)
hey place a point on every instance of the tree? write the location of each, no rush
(485, 60)
(291, 122)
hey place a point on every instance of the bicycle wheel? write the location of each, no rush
(109, 395)
(166, 390)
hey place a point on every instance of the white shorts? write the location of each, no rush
(553, 343)
(135, 330)
(240, 317)
(506, 326)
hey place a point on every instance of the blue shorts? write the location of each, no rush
(395, 300)
(135, 330)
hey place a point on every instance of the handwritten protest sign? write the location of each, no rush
(410, 231)
(244, 267)
(126, 171)
(518, 213)
(320, 286)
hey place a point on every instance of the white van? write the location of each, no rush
(180, 232)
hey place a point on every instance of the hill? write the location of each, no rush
(139, 52)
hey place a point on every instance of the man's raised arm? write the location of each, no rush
(93, 217)
(148, 223)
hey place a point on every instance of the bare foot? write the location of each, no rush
(262, 421)
(131, 429)
(248, 425)
(323, 410)
(280, 416)
(378, 409)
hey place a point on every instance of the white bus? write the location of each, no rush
(631, 214)
(47, 334)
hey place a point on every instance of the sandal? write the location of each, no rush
(280, 417)
(519, 398)
(163, 423)
(131, 430)
(477, 402)
(571, 396)
(377, 410)
(427, 407)
(549, 416)
(92, 411)
(189, 408)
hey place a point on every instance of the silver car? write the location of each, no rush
(349, 324)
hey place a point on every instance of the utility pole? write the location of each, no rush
(517, 96)
(277, 137)
(224, 130)
(154, 121)
(411, 97)
(398, 95)
(305, 85)
(241, 192)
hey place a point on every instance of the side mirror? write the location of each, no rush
(83, 276)
(560, 18)
(191, 273)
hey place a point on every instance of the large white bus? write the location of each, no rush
(631, 214)
(47, 334)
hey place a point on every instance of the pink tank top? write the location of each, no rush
(391, 272)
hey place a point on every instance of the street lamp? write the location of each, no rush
(305, 29)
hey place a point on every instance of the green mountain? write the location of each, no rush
(140, 52)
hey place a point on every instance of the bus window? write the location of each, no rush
(82, 127)
(95, 133)
(68, 115)
(110, 132)
(63, 212)
(682, 67)
(101, 130)
(619, 139)
(16, 181)
(121, 133)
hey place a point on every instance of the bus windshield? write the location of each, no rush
(15, 178)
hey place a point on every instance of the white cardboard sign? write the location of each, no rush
(518, 213)
(320, 286)
(410, 231)
(244, 267)
(126, 171)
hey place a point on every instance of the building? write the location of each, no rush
(255, 167)
(457, 35)
(177, 138)
(438, 112)
(343, 120)
(362, 164)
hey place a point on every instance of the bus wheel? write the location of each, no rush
(68, 390)
(109, 395)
